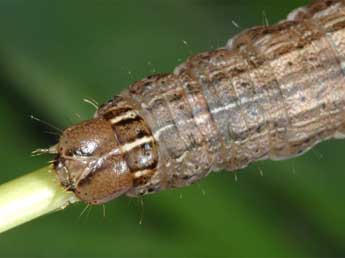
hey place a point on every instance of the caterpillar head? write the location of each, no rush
(90, 162)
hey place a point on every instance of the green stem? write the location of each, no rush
(31, 196)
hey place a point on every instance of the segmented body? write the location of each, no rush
(272, 92)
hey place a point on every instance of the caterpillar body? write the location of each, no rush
(272, 92)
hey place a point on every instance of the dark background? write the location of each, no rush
(55, 53)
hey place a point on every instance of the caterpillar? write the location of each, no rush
(273, 92)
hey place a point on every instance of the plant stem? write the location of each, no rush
(31, 196)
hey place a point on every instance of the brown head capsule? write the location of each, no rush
(105, 157)
(272, 93)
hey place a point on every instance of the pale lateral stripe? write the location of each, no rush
(162, 129)
(141, 173)
(129, 146)
(128, 114)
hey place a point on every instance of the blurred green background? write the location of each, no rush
(55, 53)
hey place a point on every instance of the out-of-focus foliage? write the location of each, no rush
(55, 53)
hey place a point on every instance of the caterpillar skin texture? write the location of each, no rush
(272, 92)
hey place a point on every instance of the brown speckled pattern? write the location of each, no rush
(272, 92)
